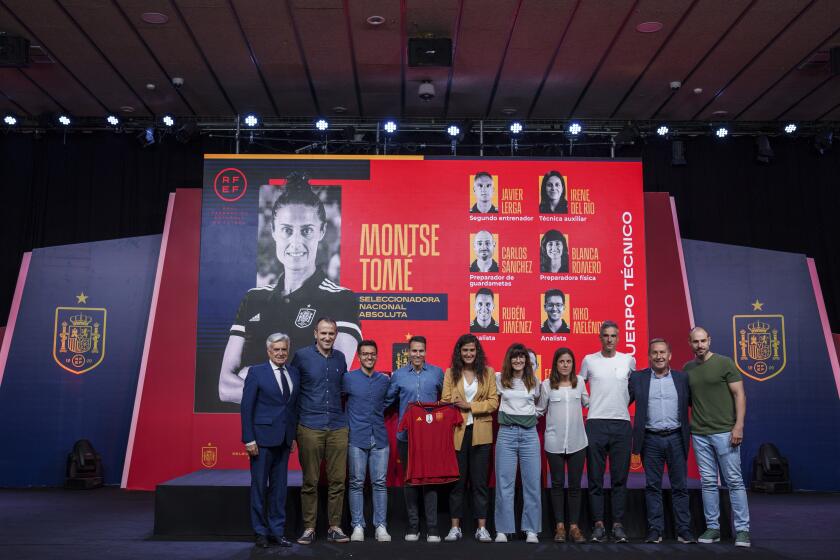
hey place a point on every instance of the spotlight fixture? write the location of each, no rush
(627, 135)
(453, 130)
(516, 127)
(662, 130)
(113, 120)
(390, 127)
(322, 125)
(251, 120)
(574, 128)
(764, 152)
(64, 120)
(790, 128)
(168, 121)
(146, 137)
(823, 140)
(10, 120)
(721, 132)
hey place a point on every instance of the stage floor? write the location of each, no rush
(114, 524)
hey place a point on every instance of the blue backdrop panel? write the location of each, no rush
(760, 310)
(75, 356)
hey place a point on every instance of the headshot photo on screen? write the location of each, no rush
(554, 304)
(484, 249)
(553, 194)
(554, 252)
(484, 306)
(484, 191)
(297, 273)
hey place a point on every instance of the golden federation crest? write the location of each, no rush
(759, 345)
(79, 337)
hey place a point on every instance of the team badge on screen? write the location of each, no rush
(759, 350)
(79, 338)
(209, 456)
(304, 317)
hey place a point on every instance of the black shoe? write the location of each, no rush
(283, 541)
(686, 537)
(262, 541)
(618, 534)
(599, 534)
(653, 537)
(337, 536)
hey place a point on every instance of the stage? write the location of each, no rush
(116, 524)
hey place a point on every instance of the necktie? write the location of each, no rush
(284, 384)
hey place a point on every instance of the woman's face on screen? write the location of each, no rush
(297, 232)
(554, 189)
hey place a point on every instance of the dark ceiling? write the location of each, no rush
(757, 60)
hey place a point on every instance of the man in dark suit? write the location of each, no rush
(269, 419)
(661, 435)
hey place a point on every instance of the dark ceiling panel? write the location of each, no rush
(436, 18)
(701, 29)
(485, 30)
(323, 33)
(108, 29)
(378, 60)
(272, 37)
(589, 36)
(23, 93)
(816, 24)
(821, 101)
(748, 37)
(65, 41)
(214, 26)
(538, 31)
(629, 56)
(172, 45)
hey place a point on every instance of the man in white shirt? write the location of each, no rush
(608, 429)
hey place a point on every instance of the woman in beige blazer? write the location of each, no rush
(470, 384)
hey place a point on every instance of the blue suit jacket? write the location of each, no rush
(640, 390)
(267, 417)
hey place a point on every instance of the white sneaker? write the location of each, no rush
(358, 534)
(454, 535)
(501, 537)
(432, 538)
(412, 537)
(482, 535)
(382, 534)
(531, 537)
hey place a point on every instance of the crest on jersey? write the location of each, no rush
(428, 419)
(304, 317)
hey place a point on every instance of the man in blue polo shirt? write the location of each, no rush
(416, 381)
(322, 429)
(365, 389)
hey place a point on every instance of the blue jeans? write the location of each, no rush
(517, 446)
(376, 461)
(657, 451)
(713, 451)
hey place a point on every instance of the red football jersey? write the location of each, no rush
(431, 447)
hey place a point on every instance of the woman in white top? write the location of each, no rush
(517, 443)
(562, 398)
(470, 384)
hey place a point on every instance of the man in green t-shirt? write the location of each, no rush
(719, 405)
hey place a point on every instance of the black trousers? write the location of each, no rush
(608, 438)
(557, 463)
(429, 493)
(472, 466)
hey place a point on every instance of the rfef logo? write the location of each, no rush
(230, 184)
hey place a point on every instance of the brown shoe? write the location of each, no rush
(560, 535)
(576, 536)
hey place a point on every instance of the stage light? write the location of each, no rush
(663, 130)
(764, 152)
(516, 127)
(627, 135)
(251, 120)
(453, 130)
(146, 137)
(113, 120)
(10, 120)
(823, 140)
(574, 128)
(64, 120)
(790, 128)
(390, 127)
(168, 121)
(322, 125)
(721, 132)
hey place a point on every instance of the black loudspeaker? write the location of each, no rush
(429, 52)
(14, 51)
(834, 59)
(770, 472)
